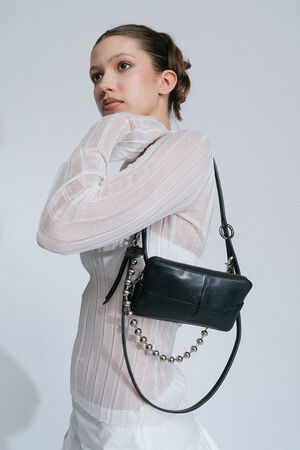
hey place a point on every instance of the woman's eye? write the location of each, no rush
(97, 73)
(93, 77)
(124, 63)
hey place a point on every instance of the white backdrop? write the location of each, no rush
(245, 87)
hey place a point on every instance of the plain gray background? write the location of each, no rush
(245, 98)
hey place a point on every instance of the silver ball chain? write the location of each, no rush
(128, 288)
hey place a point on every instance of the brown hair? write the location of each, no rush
(165, 55)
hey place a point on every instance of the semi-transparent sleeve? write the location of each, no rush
(87, 209)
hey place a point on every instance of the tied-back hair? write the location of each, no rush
(164, 54)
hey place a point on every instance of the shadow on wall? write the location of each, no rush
(18, 401)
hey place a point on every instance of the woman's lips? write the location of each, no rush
(112, 105)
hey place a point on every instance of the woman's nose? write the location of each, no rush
(107, 83)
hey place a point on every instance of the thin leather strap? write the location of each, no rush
(213, 389)
(224, 225)
(230, 252)
(132, 252)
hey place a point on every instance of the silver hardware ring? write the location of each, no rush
(222, 228)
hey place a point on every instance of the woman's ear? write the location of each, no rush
(168, 81)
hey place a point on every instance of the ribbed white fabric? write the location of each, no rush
(170, 189)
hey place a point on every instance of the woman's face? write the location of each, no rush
(128, 77)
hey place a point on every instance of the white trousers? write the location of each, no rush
(87, 433)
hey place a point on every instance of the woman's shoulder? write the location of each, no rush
(191, 136)
(191, 133)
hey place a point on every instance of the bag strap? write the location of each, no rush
(230, 253)
(223, 230)
(208, 395)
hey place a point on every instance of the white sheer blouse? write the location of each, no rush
(170, 189)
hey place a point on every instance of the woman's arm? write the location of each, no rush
(85, 209)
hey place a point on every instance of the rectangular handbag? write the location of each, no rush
(213, 299)
(178, 292)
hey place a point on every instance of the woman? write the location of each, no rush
(166, 183)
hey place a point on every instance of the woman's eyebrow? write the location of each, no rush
(113, 57)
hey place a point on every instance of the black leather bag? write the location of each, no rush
(177, 292)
